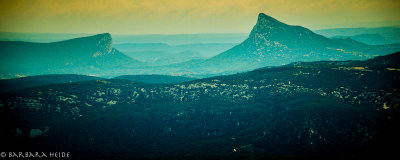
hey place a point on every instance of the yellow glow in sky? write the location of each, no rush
(188, 16)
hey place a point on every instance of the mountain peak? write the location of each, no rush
(263, 18)
(266, 24)
(103, 35)
(104, 44)
(104, 38)
(269, 30)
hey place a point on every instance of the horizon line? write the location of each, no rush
(167, 34)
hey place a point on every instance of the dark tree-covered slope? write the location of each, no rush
(317, 109)
(7, 85)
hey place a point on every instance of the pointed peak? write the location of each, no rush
(264, 16)
(266, 24)
(265, 19)
(270, 29)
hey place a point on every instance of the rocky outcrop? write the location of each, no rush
(103, 44)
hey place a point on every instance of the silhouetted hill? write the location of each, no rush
(392, 60)
(7, 85)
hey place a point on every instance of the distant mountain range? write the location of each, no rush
(159, 54)
(161, 58)
(380, 35)
(370, 39)
(270, 43)
(311, 110)
(204, 49)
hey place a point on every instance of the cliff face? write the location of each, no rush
(103, 45)
(268, 28)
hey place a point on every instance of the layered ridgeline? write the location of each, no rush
(273, 43)
(92, 55)
(371, 39)
(379, 35)
(344, 108)
(270, 43)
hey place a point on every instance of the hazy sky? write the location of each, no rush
(188, 16)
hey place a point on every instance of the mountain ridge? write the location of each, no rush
(85, 55)
(270, 43)
(273, 43)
